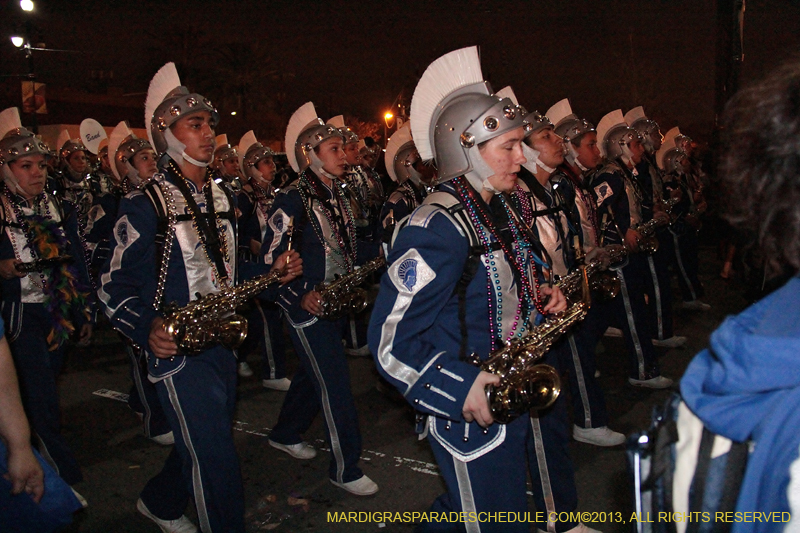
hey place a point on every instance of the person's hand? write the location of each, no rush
(255, 247)
(161, 343)
(557, 302)
(632, 238)
(290, 263)
(598, 253)
(85, 334)
(662, 217)
(312, 302)
(476, 407)
(25, 473)
(8, 269)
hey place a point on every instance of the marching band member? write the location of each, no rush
(255, 203)
(41, 307)
(226, 163)
(325, 235)
(464, 276)
(175, 239)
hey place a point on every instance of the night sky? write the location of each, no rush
(264, 59)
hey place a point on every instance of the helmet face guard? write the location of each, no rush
(467, 120)
(403, 163)
(649, 130)
(617, 141)
(178, 104)
(311, 137)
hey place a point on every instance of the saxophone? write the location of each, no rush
(649, 242)
(523, 384)
(599, 279)
(344, 295)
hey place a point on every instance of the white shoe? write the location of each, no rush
(676, 341)
(180, 525)
(596, 374)
(165, 439)
(695, 305)
(613, 332)
(358, 352)
(244, 370)
(81, 499)
(281, 384)
(601, 436)
(658, 382)
(362, 486)
(301, 450)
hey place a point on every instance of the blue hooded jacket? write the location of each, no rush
(746, 386)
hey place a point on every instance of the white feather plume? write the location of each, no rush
(63, 137)
(559, 111)
(637, 113)
(165, 80)
(508, 92)
(442, 77)
(606, 124)
(337, 122)
(9, 120)
(300, 120)
(671, 134)
(666, 146)
(247, 140)
(396, 141)
(221, 140)
(118, 136)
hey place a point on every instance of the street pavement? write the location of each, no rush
(285, 494)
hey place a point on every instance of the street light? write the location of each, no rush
(26, 5)
(17, 41)
(388, 121)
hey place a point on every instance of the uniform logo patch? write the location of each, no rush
(277, 222)
(407, 271)
(602, 192)
(122, 233)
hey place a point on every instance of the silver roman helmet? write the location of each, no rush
(305, 132)
(537, 122)
(16, 142)
(123, 144)
(223, 150)
(614, 136)
(250, 153)
(669, 157)
(167, 101)
(569, 127)
(647, 128)
(349, 135)
(453, 111)
(67, 147)
(401, 156)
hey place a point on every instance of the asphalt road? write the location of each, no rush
(295, 496)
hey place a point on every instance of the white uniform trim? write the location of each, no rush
(637, 345)
(576, 361)
(197, 479)
(544, 473)
(465, 490)
(336, 446)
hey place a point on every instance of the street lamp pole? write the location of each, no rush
(31, 72)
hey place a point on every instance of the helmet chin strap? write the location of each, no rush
(414, 176)
(627, 155)
(176, 150)
(572, 156)
(533, 163)
(10, 179)
(316, 166)
(480, 172)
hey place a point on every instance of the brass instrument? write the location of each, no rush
(344, 295)
(649, 242)
(523, 384)
(599, 278)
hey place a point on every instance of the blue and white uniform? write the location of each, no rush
(197, 392)
(417, 338)
(324, 235)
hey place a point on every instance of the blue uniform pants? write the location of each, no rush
(491, 483)
(685, 245)
(199, 402)
(659, 287)
(143, 398)
(323, 380)
(37, 369)
(265, 333)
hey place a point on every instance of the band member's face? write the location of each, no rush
(78, 162)
(104, 163)
(195, 131)
(267, 168)
(504, 156)
(549, 145)
(588, 152)
(231, 166)
(656, 139)
(331, 153)
(637, 150)
(352, 154)
(30, 172)
(144, 161)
